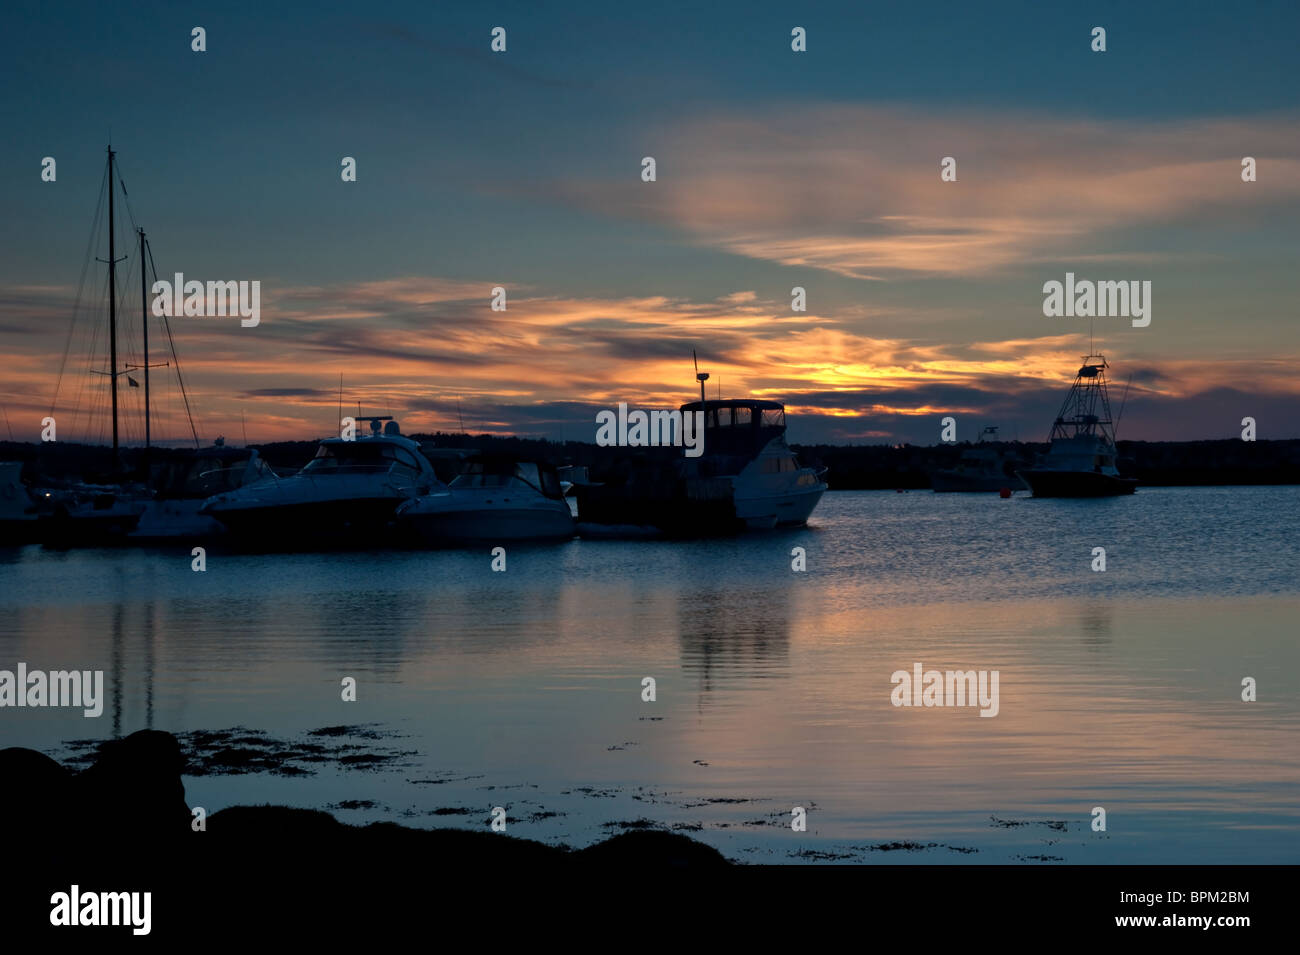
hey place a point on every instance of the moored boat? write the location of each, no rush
(1081, 459)
(495, 497)
(347, 494)
(981, 468)
(746, 478)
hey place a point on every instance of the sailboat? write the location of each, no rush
(1081, 459)
(144, 506)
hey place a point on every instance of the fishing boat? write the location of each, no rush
(347, 494)
(494, 498)
(983, 467)
(1081, 459)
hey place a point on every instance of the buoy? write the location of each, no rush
(1004, 493)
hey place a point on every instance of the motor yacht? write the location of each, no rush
(349, 491)
(494, 498)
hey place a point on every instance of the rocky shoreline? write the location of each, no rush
(123, 823)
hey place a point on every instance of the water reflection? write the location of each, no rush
(719, 643)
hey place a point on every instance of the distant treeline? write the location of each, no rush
(1154, 463)
(850, 467)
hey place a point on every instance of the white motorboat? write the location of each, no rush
(744, 442)
(494, 498)
(351, 489)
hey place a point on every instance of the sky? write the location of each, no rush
(775, 169)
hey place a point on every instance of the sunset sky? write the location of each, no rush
(775, 169)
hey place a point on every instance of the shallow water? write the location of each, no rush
(523, 689)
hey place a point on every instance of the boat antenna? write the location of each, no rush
(700, 376)
(459, 415)
(340, 424)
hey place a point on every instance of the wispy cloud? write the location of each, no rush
(856, 190)
(432, 350)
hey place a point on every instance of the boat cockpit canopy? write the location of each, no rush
(355, 457)
(211, 471)
(490, 472)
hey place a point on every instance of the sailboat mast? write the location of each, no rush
(144, 324)
(112, 304)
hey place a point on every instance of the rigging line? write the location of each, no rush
(94, 407)
(81, 285)
(1122, 403)
(175, 358)
(121, 182)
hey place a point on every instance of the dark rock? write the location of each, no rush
(35, 791)
(134, 787)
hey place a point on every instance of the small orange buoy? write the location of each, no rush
(1004, 493)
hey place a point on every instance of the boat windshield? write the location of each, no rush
(484, 474)
(359, 457)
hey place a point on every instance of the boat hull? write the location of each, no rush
(1044, 482)
(174, 520)
(312, 524)
(790, 509)
(506, 524)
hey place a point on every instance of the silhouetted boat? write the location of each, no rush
(18, 519)
(182, 486)
(747, 478)
(110, 508)
(981, 468)
(1081, 460)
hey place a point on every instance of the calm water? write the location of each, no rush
(523, 689)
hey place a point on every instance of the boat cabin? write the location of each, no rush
(738, 426)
